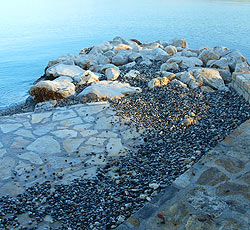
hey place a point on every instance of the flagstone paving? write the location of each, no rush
(60, 145)
(214, 194)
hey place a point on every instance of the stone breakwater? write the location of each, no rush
(167, 105)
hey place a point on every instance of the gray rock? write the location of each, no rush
(207, 55)
(112, 73)
(171, 50)
(179, 43)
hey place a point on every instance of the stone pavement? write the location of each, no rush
(214, 194)
(60, 145)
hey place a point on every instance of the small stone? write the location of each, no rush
(154, 186)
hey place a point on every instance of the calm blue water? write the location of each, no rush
(34, 32)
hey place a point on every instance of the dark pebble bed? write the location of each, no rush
(170, 147)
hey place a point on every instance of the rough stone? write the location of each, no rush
(231, 165)
(112, 74)
(206, 178)
(51, 147)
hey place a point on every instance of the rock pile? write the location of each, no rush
(68, 76)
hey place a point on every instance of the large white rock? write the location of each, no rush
(67, 60)
(85, 61)
(64, 79)
(188, 79)
(178, 43)
(156, 82)
(105, 46)
(219, 64)
(169, 66)
(188, 53)
(109, 89)
(185, 62)
(123, 47)
(242, 67)
(51, 90)
(171, 50)
(87, 77)
(234, 57)
(64, 70)
(112, 73)
(132, 74)
(210, 77)
(159, 54)
(121, 58)
(208, 54)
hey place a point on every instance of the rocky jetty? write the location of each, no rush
(179, 100)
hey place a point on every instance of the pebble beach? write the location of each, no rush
(177, 123)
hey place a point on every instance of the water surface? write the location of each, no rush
(34, 32)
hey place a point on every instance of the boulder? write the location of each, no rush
(109, 54)
(207, 55)
(105, 46)
(121, 58)
(188, 53)
(108, 89)
(64, 70)
(170, 76)
(85, 61)
(220, 50)
(64, 79)
(178, 43)
(67, 60)
(104, 67)
(119, 40)
(178, 83)
(123, 47)
(219, 64)
(132, 57)
(51, 90)
(87, 77)
(169, 66)
(171, 50)
(209, 77)
(132, 74)
(242, 67)
(188, 79)
(234, 57)
(226, 75)
(160, 81)
(185, 62)
(112, 73)
(160, 55)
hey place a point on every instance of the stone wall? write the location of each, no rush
(241, 83)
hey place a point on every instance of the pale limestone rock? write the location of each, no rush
(170, 76)
(19, 142)
(87, 133)
(112, 73)
(188, 53)
(210, 77)
(123, 47)
(51, 90)
(222, 63)
(62, 115)
(188, 79)
(65, 133)
(67, 60)
(132, 74)
(178, 43)
(104, 67)
(158, 82)
(64, 70)
(109, 54)
(6, 128)
(64, 79)
(234, 57)
(220, 50)
(71, 145)
(120, 59)
(105, 46)
(2, 152)
(169, 66)
(87, 77)
(160, 54)
(208, 54)
(171, 50)
(130, 65)
(32, 157)
(72, 121)
(178, 83)
(6, 165)
(115, 147)
(242, 67)
(86, 61)
(96, 141)
(133, 56)
(12, 189)
(109, 89)
(226, 75)
(185, 62)
(45, 145)
(38, 117)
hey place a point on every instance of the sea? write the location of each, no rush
(35, 32)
